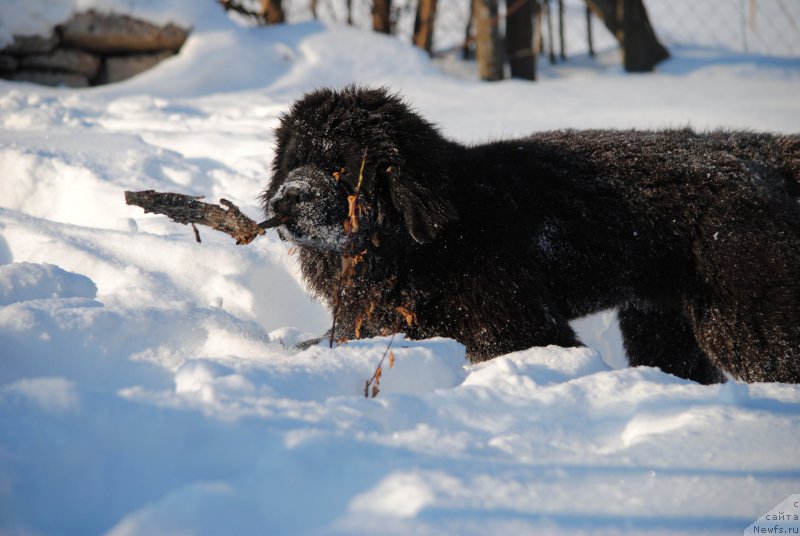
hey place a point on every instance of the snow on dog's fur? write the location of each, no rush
(695, 238)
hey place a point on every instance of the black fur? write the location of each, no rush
(694, 237)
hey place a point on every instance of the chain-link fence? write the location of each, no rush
(766, 27)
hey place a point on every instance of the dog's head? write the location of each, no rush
(334, 144)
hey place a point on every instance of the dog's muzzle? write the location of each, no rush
(289, 199)
(308, 208)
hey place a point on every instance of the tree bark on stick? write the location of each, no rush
(188, 209)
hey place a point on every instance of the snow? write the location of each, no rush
(144, 388)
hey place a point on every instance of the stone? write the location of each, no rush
(8, 63)
(119, 68)
(70, 60)
(109, 34)
(50, 78)
(31, 44)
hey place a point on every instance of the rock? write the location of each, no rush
(8, 63)
(50, 78)
(32, 44)
(109, 34)
(70, 60)
(91, 48)
(121, 67)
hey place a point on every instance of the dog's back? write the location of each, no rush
(694, 236)
(791, 150)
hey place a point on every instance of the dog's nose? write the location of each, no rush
(286, 203)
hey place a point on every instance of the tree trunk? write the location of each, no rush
(487, 40)
(272, 11)
(466, 49)
(562, 49)
(550, 41)
(423, 24)
(380, 16)
(628, 21)
(519, 39)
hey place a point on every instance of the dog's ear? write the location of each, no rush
(425, 210)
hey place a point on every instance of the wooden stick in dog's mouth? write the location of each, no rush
(273, 222)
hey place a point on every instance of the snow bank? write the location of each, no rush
(145, 387)
(26, 281)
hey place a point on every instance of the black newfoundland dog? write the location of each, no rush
(694, 238)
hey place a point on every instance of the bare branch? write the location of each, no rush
(188, 209)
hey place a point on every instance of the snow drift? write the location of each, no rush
(146, 386)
